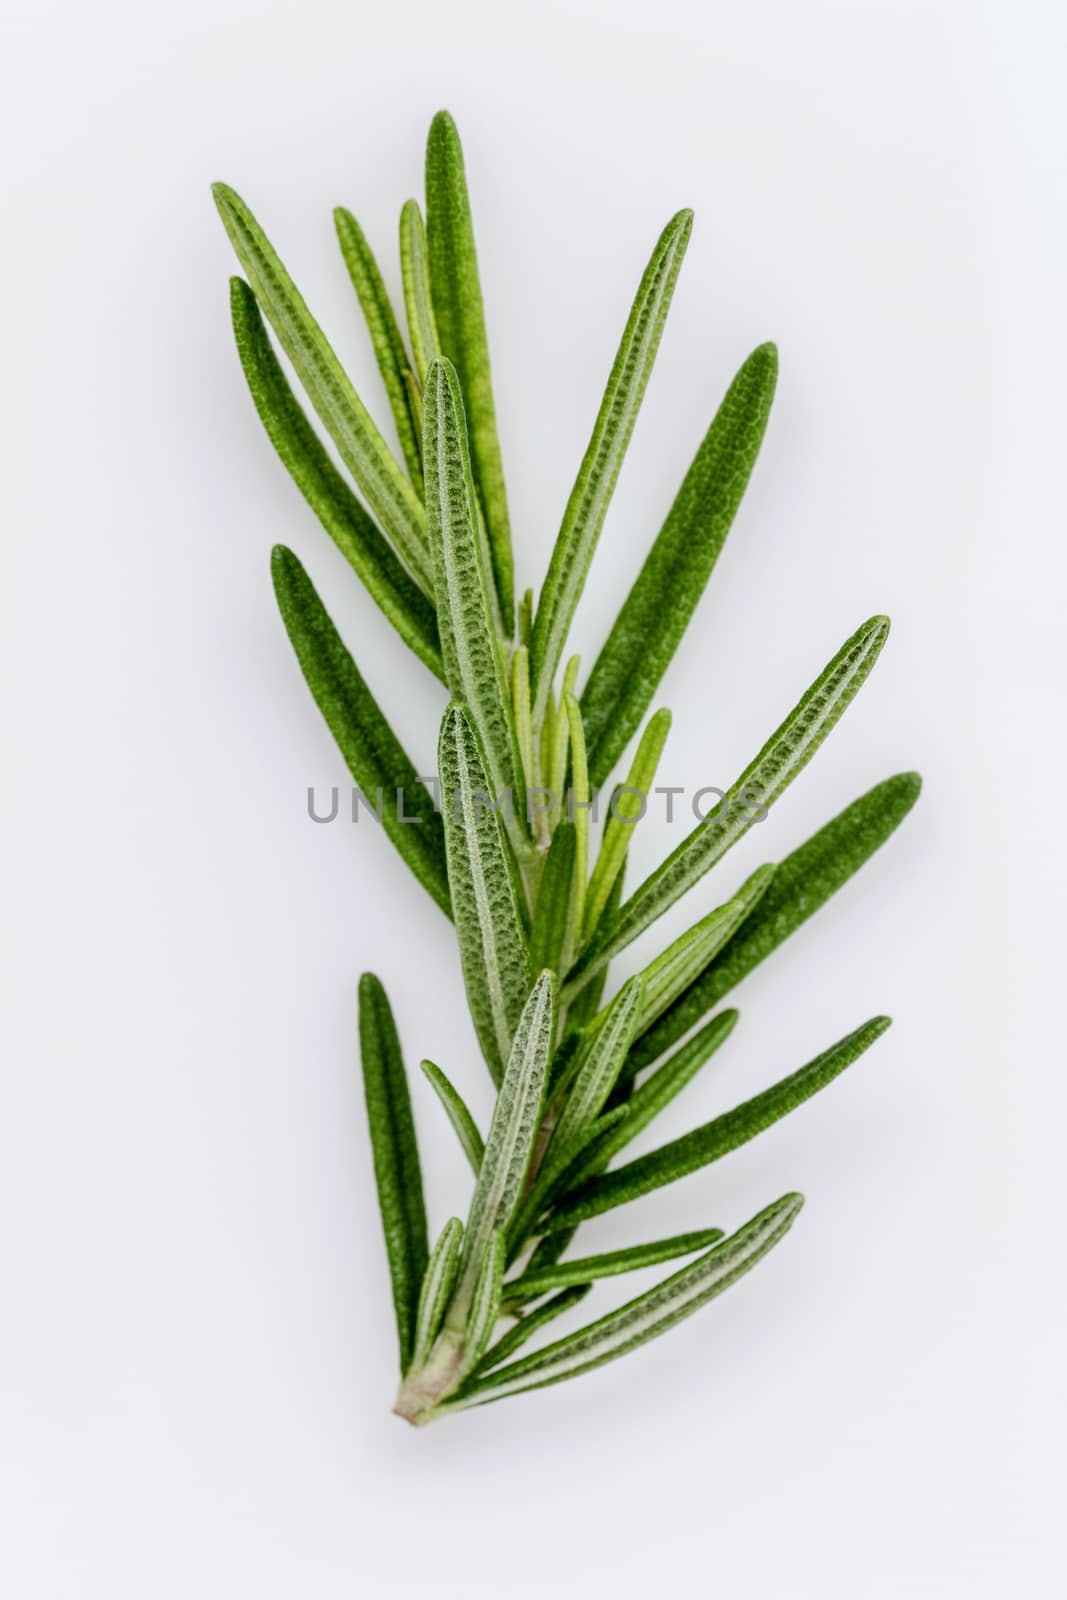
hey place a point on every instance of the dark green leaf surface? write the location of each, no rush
(803, 882)
(586, 1270)
(717, 1138)
(485, 899)
(326, 492)
(396, 1157)
(599, 471)
(553, 901)
(784, 756)
(372, 752)
(643, 1318)
(390, 496)
(460, 318)
(657, 611)
(394, 363)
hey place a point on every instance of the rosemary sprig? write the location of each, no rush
(511, 855)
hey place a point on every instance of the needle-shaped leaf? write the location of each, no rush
(530, 1324)
(521, 717)
(598, 1067)
(379, 477)
(717, 1138)
(418, 301)
(647, 1101)
(458, 1114)
(646, 1316)
(672, 972)
(589, 500)
(438, 1282)
(558, 1176)
(628, 806)
(474, 664)
(375, 757)
(485, 895)
(396, 1157)
(579, 804)
(511, 1138)
(460, 319)
(586, 1270)
(667, 589)
(803, 882)
(326, 492)
(394, 363)
(584, 1007)
(785, 755)
(553, 901)
(485, 1306)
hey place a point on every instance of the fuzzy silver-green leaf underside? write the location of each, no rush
(325, 490)
(438, 1282)
(599, 471)
(646, 1316)
(784, 756)
(530, 1324)
(394, 363)
(379, 477)
(418, 302)
(485, 897)
(509, 1144)
(474, 664)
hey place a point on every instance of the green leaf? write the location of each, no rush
(717, 1138)
(458, 1115)
(643, 1318)
(785, 755)
(530, 1324)
(394, 363)
(396, 1157)
(391, 498)
(558, 1176)
(511, 1139)
(521, 719)
(457, 303)
(579, 806)
(597, 1068)
(418, 301)
(485, 1306)
(674, 970)
(628, 806)
(657, 611)
(532, 1284)
(553, 901)
(599, 471)
(584, 1007)
(326, 492)
(485, 899)
(437, 1285)
(474, 663)
(804, 881)
(372, 752)
(660, 1088)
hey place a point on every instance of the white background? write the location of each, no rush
(196, 1352)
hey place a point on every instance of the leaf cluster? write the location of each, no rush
(535, 894)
